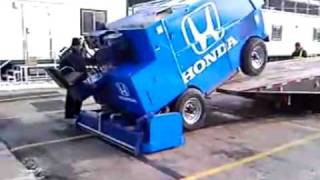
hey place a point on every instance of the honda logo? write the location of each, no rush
(202, 28)
(123, 89)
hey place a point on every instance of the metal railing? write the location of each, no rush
(24, 72)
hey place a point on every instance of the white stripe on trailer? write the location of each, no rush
(276, 73)
(269, 86)
(281, 88)
(317, 84)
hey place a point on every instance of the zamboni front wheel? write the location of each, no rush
(254, 57)
(192, 107)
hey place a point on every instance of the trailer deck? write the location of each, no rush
(276, 74)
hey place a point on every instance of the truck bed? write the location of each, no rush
(280, 72)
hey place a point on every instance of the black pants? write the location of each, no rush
(72, 106)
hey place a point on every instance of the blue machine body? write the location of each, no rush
(194, 43)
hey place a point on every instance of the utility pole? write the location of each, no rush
(282, 5)
(127, 8)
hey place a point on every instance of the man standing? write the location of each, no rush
(74, 61)
(299, 52)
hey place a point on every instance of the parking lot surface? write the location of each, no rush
(245, 139)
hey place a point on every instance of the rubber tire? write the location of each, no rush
(179, 104)
(246, 63)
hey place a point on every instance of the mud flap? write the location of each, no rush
(165, 132)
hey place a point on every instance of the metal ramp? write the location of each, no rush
(287, 82)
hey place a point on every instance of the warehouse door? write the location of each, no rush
(36, 22)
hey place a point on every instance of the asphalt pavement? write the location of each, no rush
(245, 139)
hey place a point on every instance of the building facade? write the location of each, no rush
(290, 21)
(34, 31)
(311, 7)
(40, 28)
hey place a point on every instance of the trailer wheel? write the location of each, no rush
(192, 107)
(254, 57)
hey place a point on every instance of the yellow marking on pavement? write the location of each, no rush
(301, 126)
(250, 159)
(28, 146)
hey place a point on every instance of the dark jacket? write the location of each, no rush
(299, 53)
(75, 60)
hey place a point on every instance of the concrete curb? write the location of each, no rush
(11, 168)
(12, 96)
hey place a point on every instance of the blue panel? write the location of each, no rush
(122, 135)
(140, 45)
(112, 130)
(159, 133)
(165, 131)
(160, 82)
(230, 13)
(251, 26)
(90, 119)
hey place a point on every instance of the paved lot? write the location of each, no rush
(11, 168)
(245, 139)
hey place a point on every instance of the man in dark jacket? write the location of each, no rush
(73, 61)
(299, 52)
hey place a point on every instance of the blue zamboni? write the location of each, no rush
(154, 68)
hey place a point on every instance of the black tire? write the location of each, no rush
(190, 101)
(254, 57)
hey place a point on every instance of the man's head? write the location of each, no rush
(76, 44)
(298, 45)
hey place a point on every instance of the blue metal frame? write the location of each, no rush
(149, 133)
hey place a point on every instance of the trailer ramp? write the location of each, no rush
(288, 82)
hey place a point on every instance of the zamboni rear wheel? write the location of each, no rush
(254, 57)
(192, 107)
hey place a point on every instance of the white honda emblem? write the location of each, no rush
(123, 89)
(202, 33)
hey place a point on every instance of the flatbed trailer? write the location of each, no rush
(293, 83)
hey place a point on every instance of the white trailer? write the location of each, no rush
(286, 28)
(38, 29)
